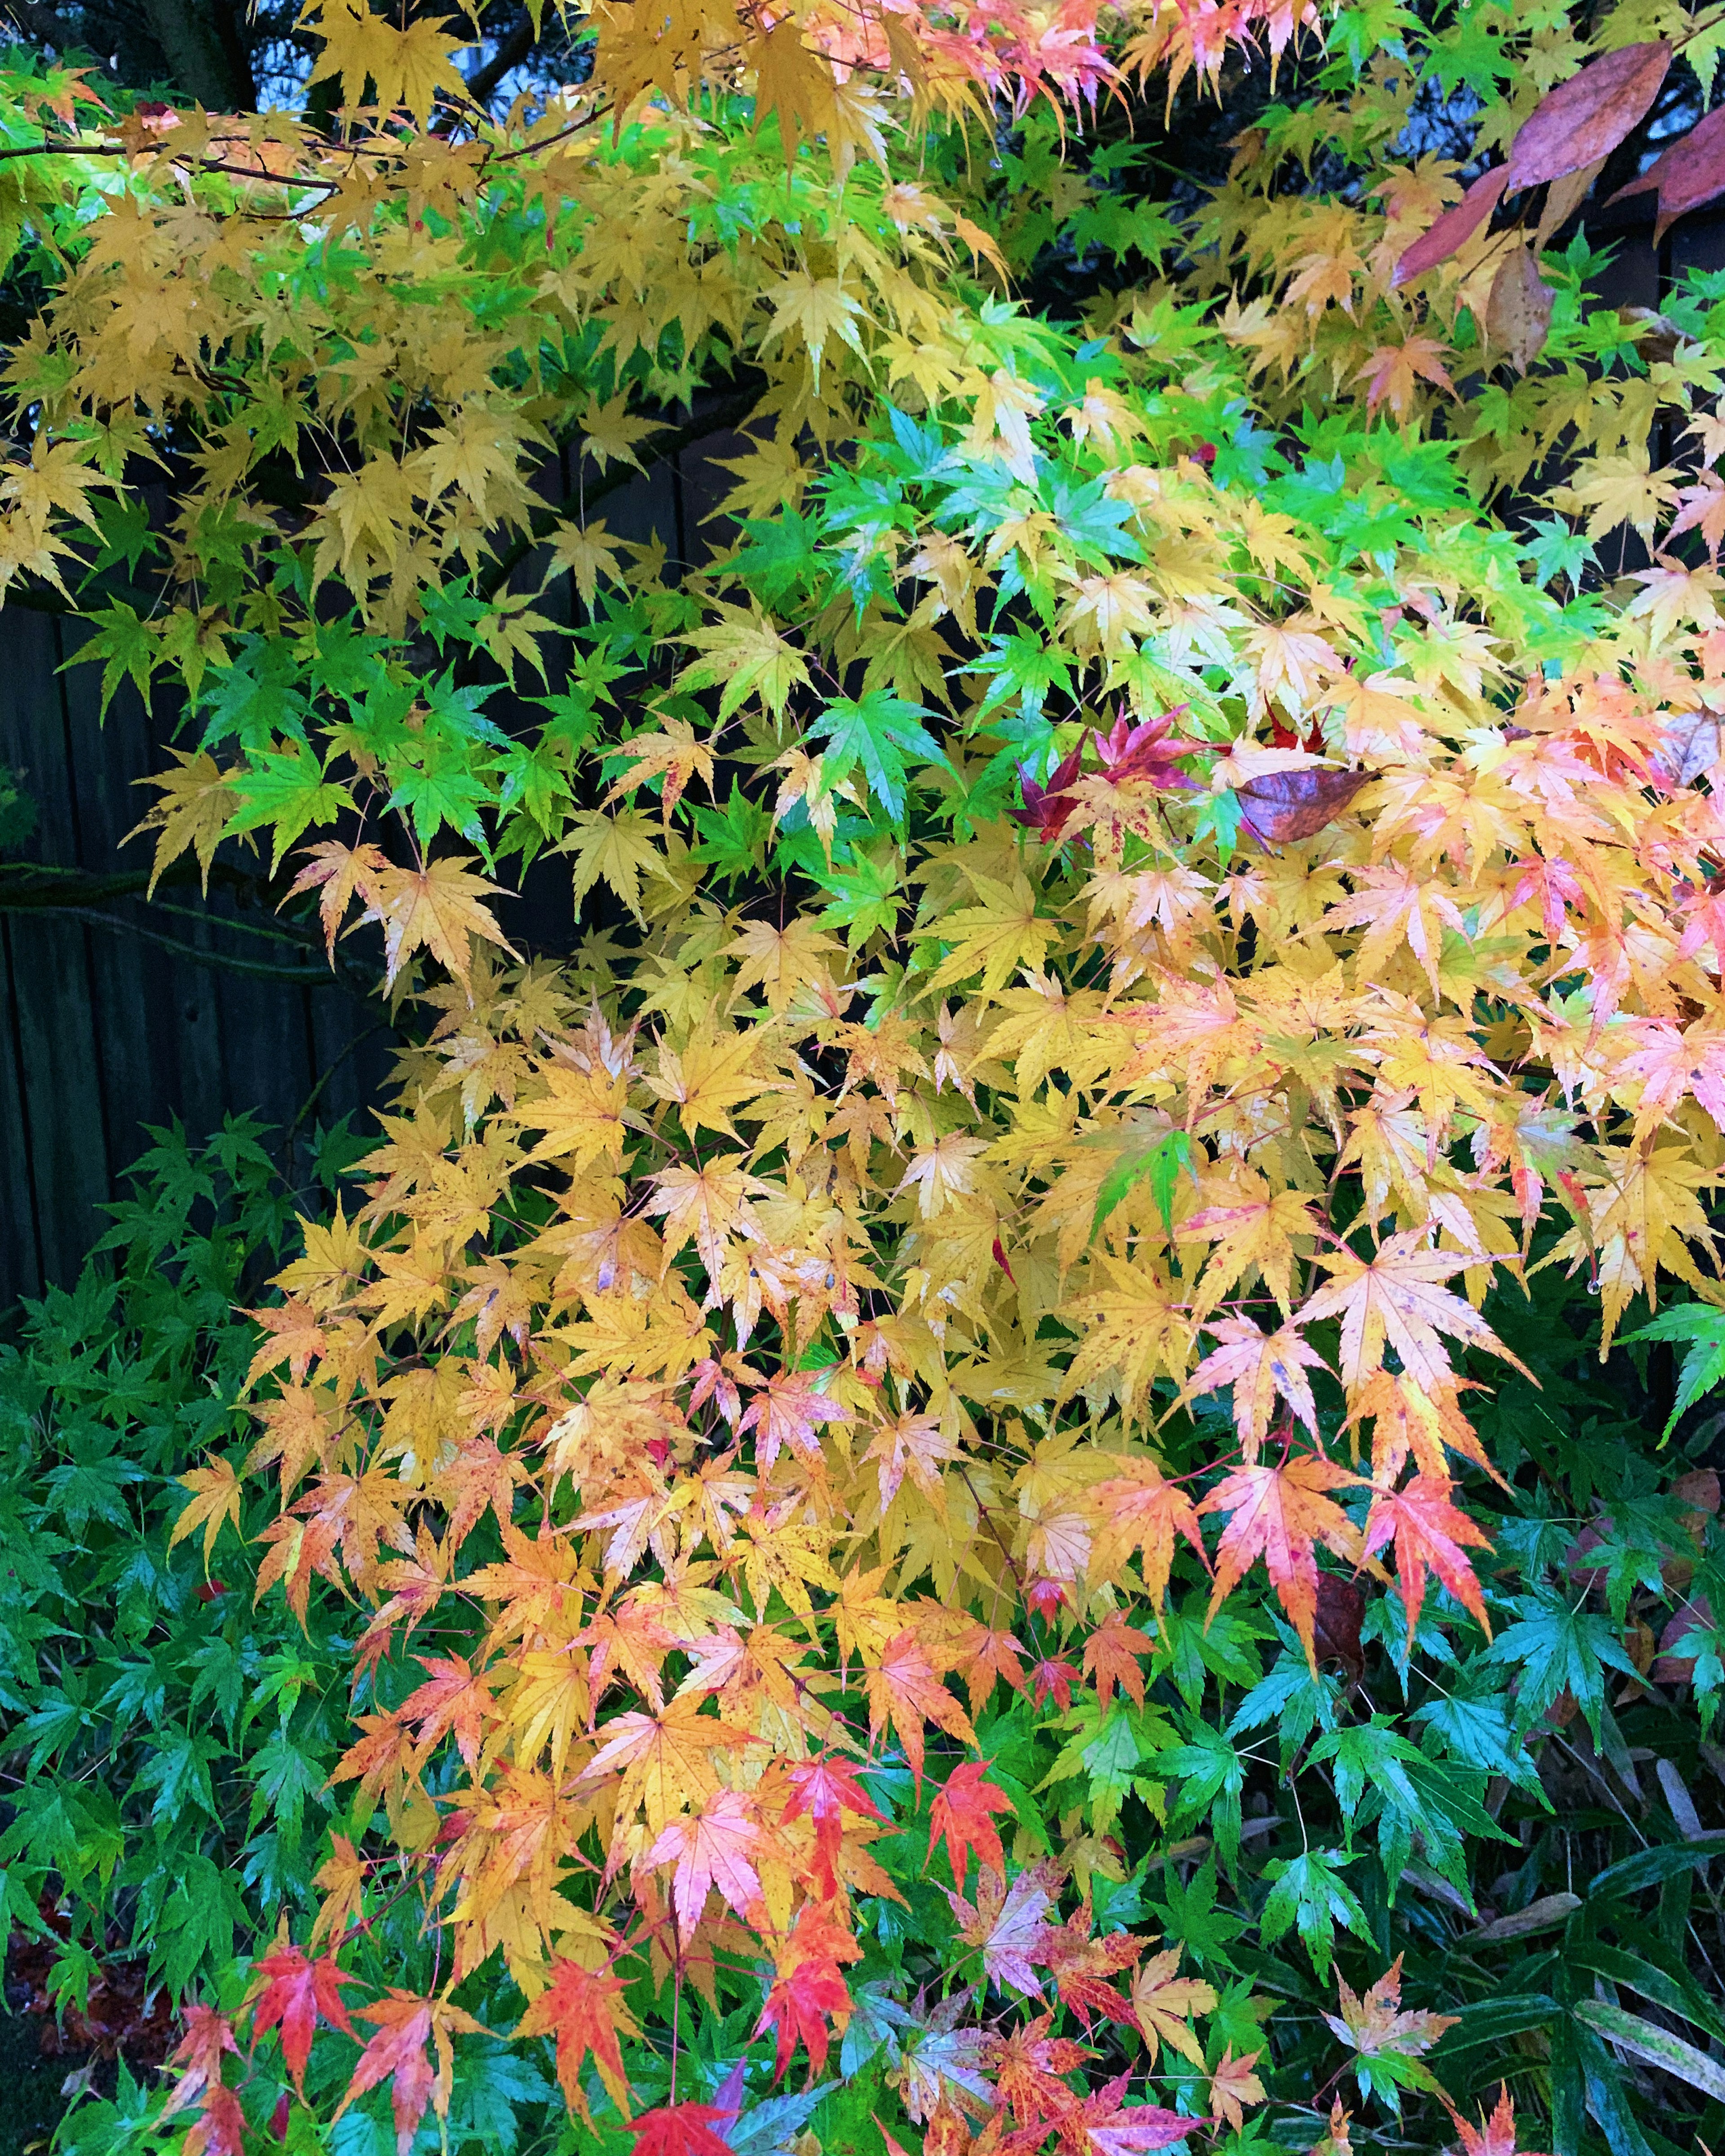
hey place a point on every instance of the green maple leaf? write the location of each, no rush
(878, 731)
(733, 839)
(1560, 1650)
(1310, 1895)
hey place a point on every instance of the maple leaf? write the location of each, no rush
(1391, 372)
(781, 960)
(665, 1758)
(1027, 2064)
(216, 1497)
(1234, 2085)
(408, 67)
(711, 1849)
(1279, 1513)
(1007, 1924)
(619, 849)
(1261, 1368)
(680, 2129)
(587, 551)
(788, 1410)
(405, 2025)
(1163, 2003)
(673, 754)
(1337, 2141)
(913, 1444)
(1375, 2025)
(435, 908)
(712, 1072)
(1493, 2137)
(904, 1688)
(1102, 2125)
(994, 939)
(584, 2008)
(208, 2038)
(1429, 1532)
(808, 1992)
(961, 1812)
(456, 1697)
(1081, 1965)
(294, 1993)
(1111, 1657)
(1048, 809)
(1260, 1236)
(1141, 1510)
(1396, 1295)
(826, 1789)
(199, 801)
(985, 1656)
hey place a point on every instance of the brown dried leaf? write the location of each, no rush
(1519, 312)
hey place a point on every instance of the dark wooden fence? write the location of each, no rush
(115, 1013)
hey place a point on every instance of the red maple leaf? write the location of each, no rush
(1046, 808)
(960, 1811)
(221, 2129)
(1053, 1674)
(295, 1992)
(1148, 750)
(826, 1789)
(1428, 1531)
(680, 2130)
(808, 1989)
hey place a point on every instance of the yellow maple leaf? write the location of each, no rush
(619, 848)
(995, 938)
(199, 801)
(216, 1495)
(408, 67)
(436, 908)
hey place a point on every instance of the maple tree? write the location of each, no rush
(1220, 918)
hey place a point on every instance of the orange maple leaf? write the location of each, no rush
(1280, 1514)
(905, 1688)
(405, 2025)
(1234, 2085)
(1428, 1533)
(1493, 2137)
(584, 2008)
(1141, 1510)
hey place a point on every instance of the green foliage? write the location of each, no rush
(168, 1743)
